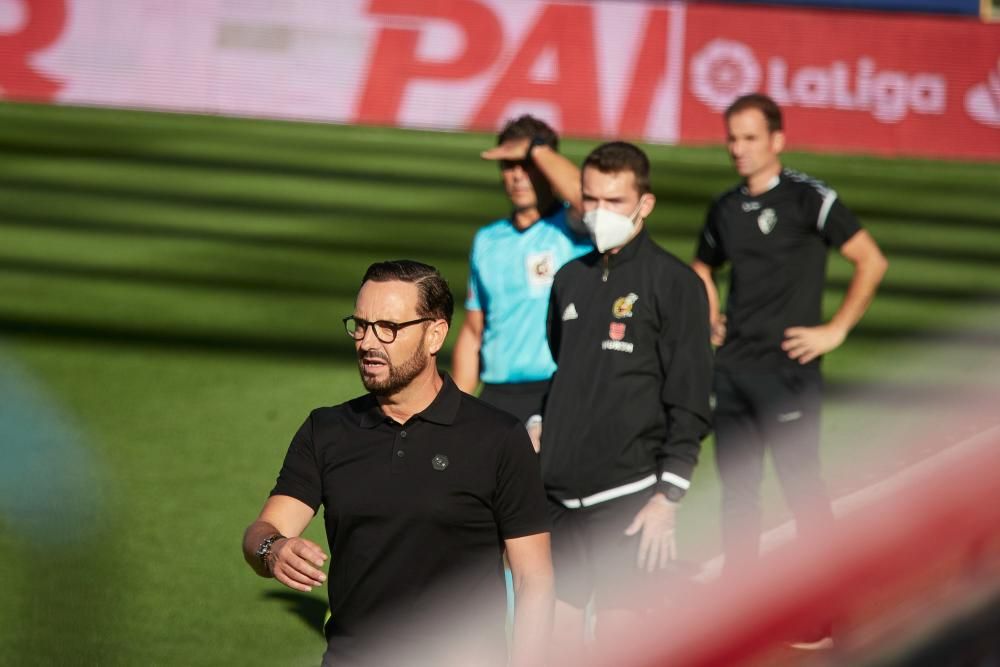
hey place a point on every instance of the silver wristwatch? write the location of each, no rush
(264, 550)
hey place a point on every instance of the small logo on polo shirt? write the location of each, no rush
(750, 206)
(570, 313)
(767, 220)
(439, 462)
(617, 331)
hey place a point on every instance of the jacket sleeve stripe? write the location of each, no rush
(824, 210)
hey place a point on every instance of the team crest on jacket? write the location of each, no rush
(617, 331)
(767, 220)
(623, 305)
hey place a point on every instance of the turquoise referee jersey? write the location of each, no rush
(510, 276)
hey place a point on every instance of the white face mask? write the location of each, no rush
(609, 229)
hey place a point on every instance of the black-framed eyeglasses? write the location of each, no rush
(384, 331)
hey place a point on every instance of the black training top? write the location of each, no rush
(630, 396)
(416, 515)
(777, 244)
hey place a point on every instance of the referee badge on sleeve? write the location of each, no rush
(540, 268)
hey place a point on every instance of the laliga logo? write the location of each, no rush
(982, 101)
(725, 69)
(722, 71)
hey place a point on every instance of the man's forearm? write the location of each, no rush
(704, 272)
(465, 361)
(860, 293)
(870, 266)
(562, 174)
(534, 604)
(254, 536)
(681, 447)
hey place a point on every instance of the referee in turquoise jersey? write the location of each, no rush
(513, 261)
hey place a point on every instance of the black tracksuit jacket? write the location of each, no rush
(630, 335)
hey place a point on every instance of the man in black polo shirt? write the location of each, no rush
(628, 328)
(424, 488)
(775, 229)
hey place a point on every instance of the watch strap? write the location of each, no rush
(263, 552)
(672, 492)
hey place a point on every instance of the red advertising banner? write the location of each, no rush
(660, 72)
(849, 82)
(594, 69)
(25, 29)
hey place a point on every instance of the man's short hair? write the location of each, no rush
(761, 102)
(528, 127)
(618, 156)
(434, 296)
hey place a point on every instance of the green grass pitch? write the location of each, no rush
(171, 289)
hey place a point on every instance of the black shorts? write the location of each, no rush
(592, 555)
(776, 411)
(521, 399)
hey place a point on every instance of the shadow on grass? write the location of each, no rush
(330, 211)
(341, 171)
(902, 394)
(310, 610)
(320, 349)
(383, 241)
(143, 132)
(321, 285)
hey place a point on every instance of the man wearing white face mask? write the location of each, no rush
(628, 407)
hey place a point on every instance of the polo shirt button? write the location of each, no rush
(400, 453)
(402, 434)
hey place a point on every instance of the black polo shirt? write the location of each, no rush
(777, 244)
(415, 515)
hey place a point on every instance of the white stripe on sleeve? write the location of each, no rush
(676, 480)
(824, 210)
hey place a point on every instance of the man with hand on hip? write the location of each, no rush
(775, 229)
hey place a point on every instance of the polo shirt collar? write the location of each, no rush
(442, 410)
(772, 184)
(372, 414)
